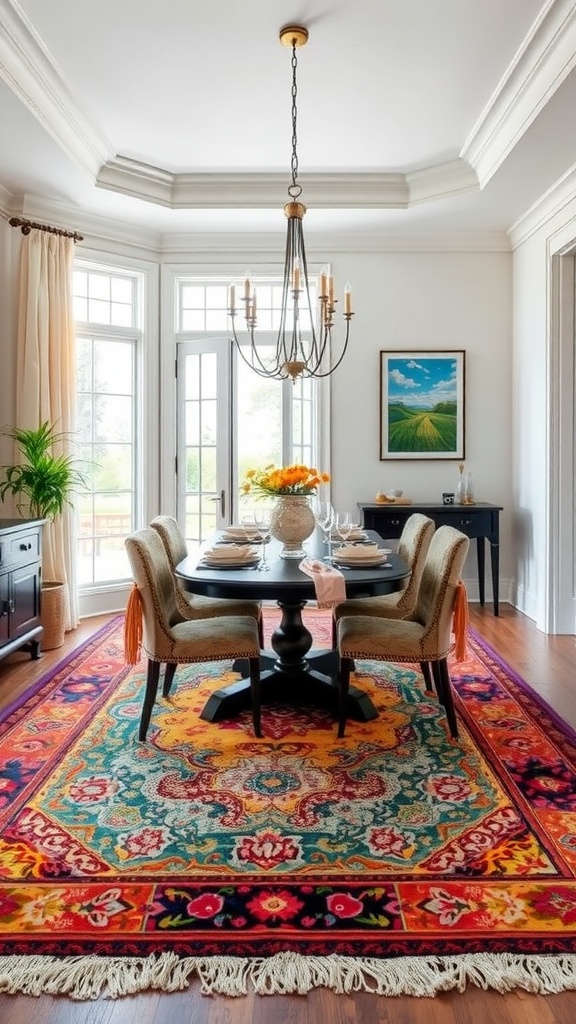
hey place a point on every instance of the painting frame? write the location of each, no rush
(406, 428)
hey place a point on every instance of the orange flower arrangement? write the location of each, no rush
(300, 480)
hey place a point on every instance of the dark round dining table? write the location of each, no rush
(295, 673)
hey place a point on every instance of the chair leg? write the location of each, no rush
(438, 682)
(345, 668)
(255, 695)
(152, 677)
(448, 698)
(168, 679)
(425, 669)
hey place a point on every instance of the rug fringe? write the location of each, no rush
(88, 977)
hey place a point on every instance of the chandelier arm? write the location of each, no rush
(333, 366)
(255, 362)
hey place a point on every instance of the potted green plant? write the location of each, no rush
(42, 484)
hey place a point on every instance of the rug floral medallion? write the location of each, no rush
(393, 841)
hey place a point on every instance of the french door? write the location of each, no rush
(230, 419)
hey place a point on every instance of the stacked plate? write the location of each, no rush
(241, 535)
(230, 556)
(358, 556)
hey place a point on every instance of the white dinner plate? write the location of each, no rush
(364, 564)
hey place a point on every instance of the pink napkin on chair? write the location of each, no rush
(329, 582)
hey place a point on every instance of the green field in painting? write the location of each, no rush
(421, 430)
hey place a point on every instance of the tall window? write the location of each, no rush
(107, 313)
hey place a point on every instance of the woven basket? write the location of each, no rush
(53, 615)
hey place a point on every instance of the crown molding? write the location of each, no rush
(29, 70)
(249, 190)
(544, 61)
(268, 191)
(106, 234)
(440, 181)
(319, 245)
(552, 203)
(97, 230)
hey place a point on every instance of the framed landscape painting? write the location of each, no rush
(422, 405)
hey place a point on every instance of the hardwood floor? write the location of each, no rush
(548, 664)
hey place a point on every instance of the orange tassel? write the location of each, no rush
(133, 627)
(460, 621)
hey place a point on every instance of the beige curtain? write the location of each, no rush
(46, 388)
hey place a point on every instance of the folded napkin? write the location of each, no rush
(241, 533)
(230, 553)
(329, 583)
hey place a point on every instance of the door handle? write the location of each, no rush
(222, 499)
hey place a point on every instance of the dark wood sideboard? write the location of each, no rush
(20, 585)
(480, 520)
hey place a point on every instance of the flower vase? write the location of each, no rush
(291, 522)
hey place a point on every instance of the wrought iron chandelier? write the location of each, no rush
(302, 349)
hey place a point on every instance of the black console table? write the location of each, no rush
(480, 521)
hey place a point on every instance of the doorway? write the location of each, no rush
(228, 420)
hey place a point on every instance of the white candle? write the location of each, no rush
(347, 298)
(296, 275)
(323, 279)
(232, 303)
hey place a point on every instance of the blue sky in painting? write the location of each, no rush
(420, 381)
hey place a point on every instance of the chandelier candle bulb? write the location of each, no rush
(296, 275)
(232, 297)
(348, 299)
(323, 283)
(247, 287)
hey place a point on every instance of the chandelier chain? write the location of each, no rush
(294, 190)
(304, 339)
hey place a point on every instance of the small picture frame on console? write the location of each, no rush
(422, 404)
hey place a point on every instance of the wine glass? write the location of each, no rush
(343, 524)
(247, 521)
(324, 516)
(262, 522)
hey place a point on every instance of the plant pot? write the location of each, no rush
(291, 522)
(53, 614)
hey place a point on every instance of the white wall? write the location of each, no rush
(428, 300)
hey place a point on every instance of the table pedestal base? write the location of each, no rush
(297, 676)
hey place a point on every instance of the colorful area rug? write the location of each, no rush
(293, 860)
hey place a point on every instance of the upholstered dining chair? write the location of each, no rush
(196, 606)
(413, 549)
(155, 624)
(426, 637)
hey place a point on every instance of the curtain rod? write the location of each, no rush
(27, 225)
